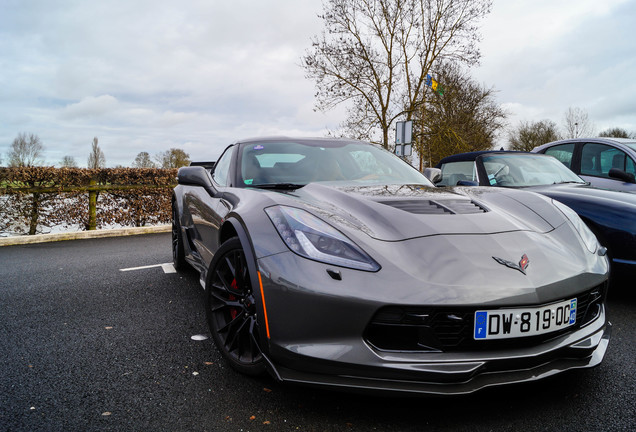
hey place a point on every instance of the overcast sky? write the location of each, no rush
(149, 75)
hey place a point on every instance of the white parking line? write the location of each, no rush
(166, 267)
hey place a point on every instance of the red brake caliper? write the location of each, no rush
(233, 311)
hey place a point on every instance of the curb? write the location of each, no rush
(44, 238)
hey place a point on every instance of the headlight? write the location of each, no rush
(587, 236)
(312, 238)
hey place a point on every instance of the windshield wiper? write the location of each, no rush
(284, 186)
(569, 181)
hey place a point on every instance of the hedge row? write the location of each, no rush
(35, 199)
(11, 178)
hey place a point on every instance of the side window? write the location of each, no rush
(563, 153)
(454, 172)
(222, 167)
(598, 159)
(630, 166)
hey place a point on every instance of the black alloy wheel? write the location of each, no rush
(178, 254)
(231, 309)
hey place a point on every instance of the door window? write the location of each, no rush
(598, 159)
(222, 167)
(563, 153)
(630, 166)
(454, 172)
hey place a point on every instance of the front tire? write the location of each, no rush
(231, 309)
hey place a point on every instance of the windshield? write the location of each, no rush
(518, 170)
(631, 145)
(343, 162)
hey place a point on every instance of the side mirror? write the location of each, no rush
(195, 176)
(433, 174)
(622, 175)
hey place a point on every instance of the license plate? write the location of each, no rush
(522, 322)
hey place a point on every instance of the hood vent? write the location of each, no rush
(436, 207)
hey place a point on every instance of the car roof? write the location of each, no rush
(471, 156)
(305, 140)
(462, 157)
(619, 142)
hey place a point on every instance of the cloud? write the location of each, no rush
(149, 75)
(545, 56)
(90, 107)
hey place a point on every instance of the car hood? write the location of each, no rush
(401, 212)
(586, 192)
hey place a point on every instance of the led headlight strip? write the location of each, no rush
(311, 237)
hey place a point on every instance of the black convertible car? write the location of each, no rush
(611, 215)
(334, 263)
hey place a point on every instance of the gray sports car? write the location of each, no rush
(334, 263)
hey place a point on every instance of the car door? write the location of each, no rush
(208, 211)
(597, 160)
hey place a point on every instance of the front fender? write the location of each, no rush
(233, 226)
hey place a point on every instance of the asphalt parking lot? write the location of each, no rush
(97, 335)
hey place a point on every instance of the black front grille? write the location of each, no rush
(447, 329)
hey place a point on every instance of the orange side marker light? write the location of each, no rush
(260, 282)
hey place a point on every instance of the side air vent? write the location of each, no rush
(418, 206)
(436, 207)
(463, 206)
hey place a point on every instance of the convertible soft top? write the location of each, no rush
(471, 156)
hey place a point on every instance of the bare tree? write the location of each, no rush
(96, 159)
(26, 151)
(68, 162)
(143, 161)
(173, 158)
(375, 55)
(465, 118)
(617, 133)
(577, 123)
(528, 135)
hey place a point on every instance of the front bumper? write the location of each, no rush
(451, 376)
(317, 324)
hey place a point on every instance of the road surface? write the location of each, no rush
(85, 346)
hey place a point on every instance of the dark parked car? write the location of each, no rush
(335, 263)
(608, 163)
(609, 214)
